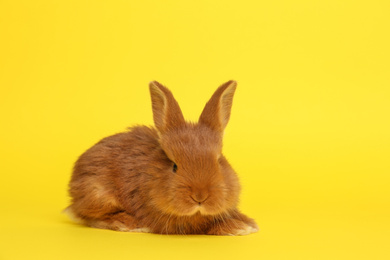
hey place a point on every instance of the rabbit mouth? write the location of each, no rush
(202, 209)
(190, 204)
(197, 209)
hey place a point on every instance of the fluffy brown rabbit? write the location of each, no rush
(172, 179)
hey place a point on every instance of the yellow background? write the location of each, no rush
(309, 133)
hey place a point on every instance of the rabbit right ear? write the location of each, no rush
(216, 113)
(167, 114)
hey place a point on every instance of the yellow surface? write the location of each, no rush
(309, 133)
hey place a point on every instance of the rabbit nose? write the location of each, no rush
(200, 197)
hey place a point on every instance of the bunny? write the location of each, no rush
(171, 179)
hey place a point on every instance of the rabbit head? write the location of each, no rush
(198, 179)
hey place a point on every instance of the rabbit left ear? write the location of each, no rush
(216, 113)
(167, 114)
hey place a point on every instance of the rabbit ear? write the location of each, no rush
(166, 111)
(216, 113)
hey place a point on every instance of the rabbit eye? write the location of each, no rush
(174, 169)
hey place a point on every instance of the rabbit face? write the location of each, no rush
(198, 179)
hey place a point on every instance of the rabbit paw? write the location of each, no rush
(233, 227)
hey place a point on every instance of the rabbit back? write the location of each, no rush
(108, 177)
